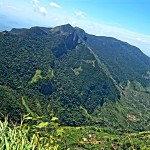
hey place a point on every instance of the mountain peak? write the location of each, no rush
(67, 28)
(17, 31)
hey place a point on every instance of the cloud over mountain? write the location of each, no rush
(54, 5)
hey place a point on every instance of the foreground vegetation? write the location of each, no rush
(30, 134)
(35, 134)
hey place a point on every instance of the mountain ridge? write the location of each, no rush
(76, 75)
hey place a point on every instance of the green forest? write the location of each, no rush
(58, 85)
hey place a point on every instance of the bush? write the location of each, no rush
(31, 133)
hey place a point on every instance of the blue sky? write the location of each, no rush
(127, 20)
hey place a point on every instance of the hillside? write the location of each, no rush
(81, 78)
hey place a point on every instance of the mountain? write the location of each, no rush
(81, 78)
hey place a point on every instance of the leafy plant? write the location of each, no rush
(31, 134)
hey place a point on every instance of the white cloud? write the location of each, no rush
(54, 5)
(141, 40)
(38, 8)
(12, 7)
(35, 5)
(43, 10)
(35, 1)
(80, 14)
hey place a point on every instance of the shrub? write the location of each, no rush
(31, 133)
